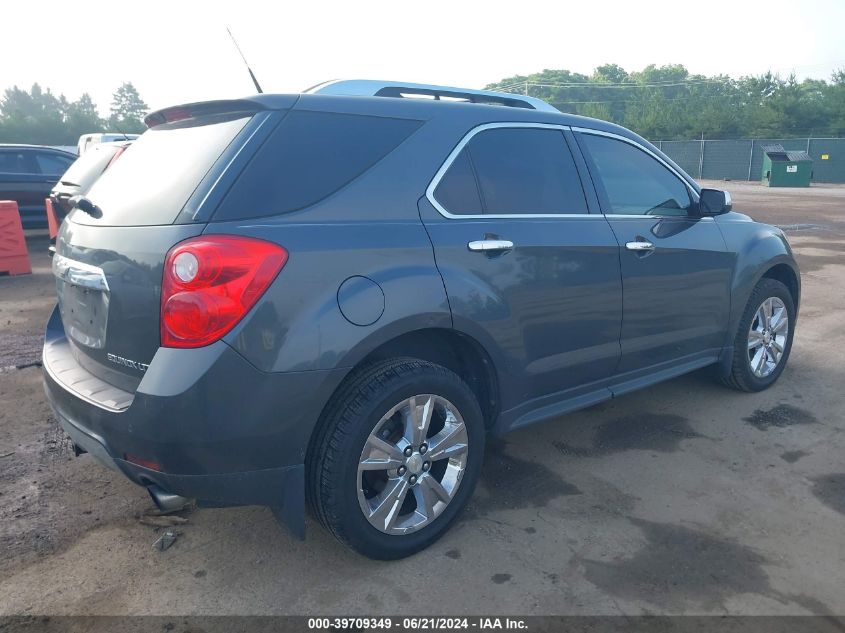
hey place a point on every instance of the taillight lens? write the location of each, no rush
(117, 154)
(210, 283)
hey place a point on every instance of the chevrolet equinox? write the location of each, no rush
(332, 298)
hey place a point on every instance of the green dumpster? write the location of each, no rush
(782, 168)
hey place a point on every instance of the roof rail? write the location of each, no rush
(377, 88)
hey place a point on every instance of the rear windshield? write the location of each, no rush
(308, 157)
(153, 179)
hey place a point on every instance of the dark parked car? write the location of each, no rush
(336, 296)
(77, 180)
(27, 174)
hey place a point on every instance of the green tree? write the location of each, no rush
(667, 102)
(34, 116)
(834, 103)
(82, 117)
(128, 109)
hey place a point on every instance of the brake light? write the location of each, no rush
(210, 282)
(117, 154)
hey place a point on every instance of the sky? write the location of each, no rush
(179, 51)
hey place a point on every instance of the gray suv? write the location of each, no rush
(332, 298)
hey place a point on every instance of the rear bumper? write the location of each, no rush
(220, 430)
(257, 487)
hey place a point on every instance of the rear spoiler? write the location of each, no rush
(204, 108)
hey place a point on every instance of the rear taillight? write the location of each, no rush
(117, 154)
(210, 283)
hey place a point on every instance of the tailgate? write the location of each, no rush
(111, 249)
(108, 281)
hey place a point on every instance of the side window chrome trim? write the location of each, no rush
(692, 193)
(429, 192)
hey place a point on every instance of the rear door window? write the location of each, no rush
(52, 164)
(519, 171)
(154, 178)
(308, 157)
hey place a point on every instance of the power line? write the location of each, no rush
(669, 83)
(730, 96)
(666, 84)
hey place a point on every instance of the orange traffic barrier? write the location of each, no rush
(14, 258)
(52, 220)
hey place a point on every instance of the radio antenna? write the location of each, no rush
(246, 63)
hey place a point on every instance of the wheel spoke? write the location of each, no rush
(418, 419)
(449, 442)
(780, 322)
(767, 313)
(426, 499)
(755, 339)
(436, 487)
(388, 503)
(428, 492)
(760, 317)
(777, 346)
(759, 361)
(380, 455)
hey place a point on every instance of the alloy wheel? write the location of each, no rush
(412, 464)
(767, 337)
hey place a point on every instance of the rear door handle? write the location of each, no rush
(639, 246)
(488, 246)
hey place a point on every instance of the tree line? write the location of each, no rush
(40, 117)
(658, 102)
(668, 103)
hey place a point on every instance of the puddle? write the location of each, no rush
(781, 416)
(793, 456)
(647, 431)
(678, 566)
(511, 482)
(830, 490)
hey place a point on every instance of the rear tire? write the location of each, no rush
(757, 360)
(396, 457)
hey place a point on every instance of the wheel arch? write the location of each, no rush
(761, 251)
(457, 351)
(788, 276)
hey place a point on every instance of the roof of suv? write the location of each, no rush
(430, 92)
(391, 98)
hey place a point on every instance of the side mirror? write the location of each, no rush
(714, 202)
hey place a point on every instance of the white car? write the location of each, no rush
(87, 141)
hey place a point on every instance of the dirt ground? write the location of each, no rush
(682, 498)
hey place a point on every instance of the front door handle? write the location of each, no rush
(489, 246)
(639, 245)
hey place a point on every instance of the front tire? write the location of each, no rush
(764, 338)
(396, 457)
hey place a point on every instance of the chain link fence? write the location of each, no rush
(743, 159)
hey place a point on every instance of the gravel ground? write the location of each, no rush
(682, 498)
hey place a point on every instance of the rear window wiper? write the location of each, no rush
(84, 204)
